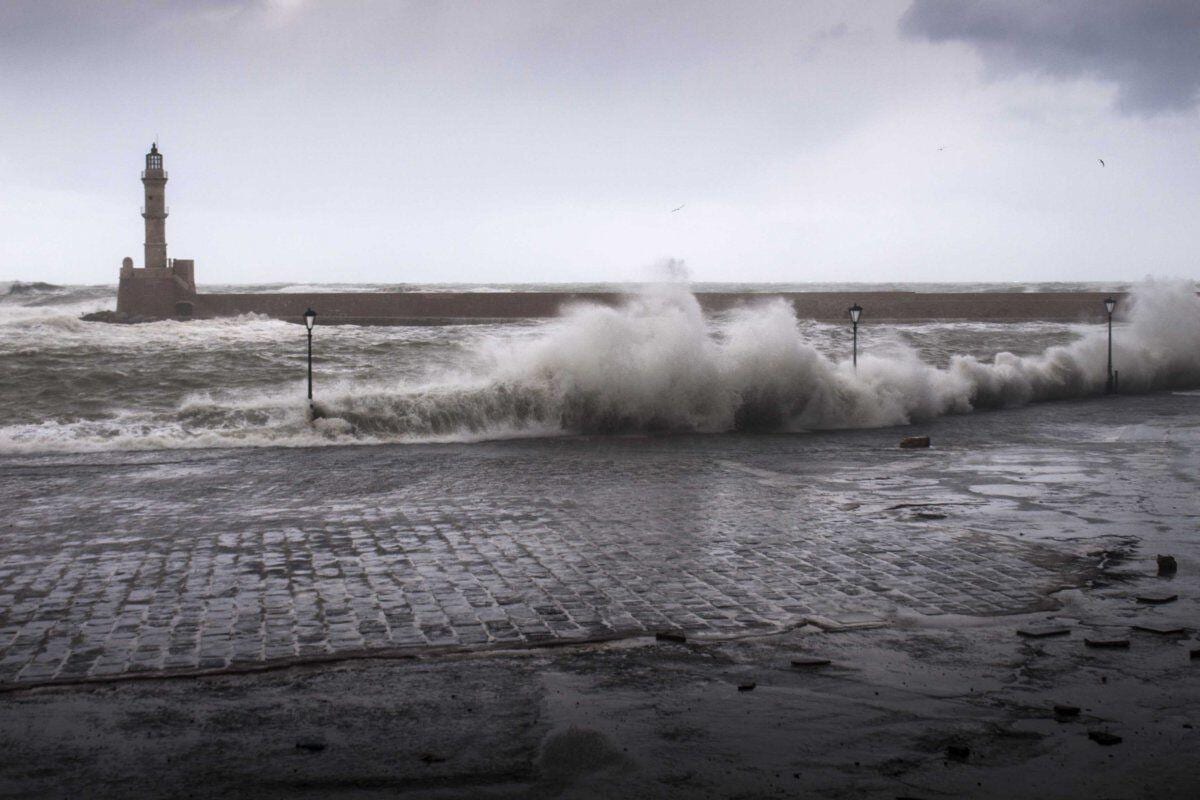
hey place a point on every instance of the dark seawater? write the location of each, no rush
(655, 365)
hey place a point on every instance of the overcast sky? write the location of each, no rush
(550, 141)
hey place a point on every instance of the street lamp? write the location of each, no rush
(1109, 305)
(310, 319)
(855, 313)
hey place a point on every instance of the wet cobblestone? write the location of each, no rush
(121, 563)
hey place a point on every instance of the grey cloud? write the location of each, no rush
(48, 24)
(1149, 48)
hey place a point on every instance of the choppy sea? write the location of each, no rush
(654, 365)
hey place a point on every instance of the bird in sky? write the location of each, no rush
(1101, 160)
(673, 210)
(940, 149)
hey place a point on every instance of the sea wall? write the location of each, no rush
(393, 308)
(365, 308)
(147, 294)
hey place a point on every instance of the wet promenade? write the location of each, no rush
(207, 560)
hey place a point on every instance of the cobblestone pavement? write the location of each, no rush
(118, 563)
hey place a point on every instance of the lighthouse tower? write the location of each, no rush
(154, 179)
(161, 289)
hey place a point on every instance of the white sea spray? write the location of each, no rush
(655, 364)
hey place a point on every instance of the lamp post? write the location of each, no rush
(855, 313)
(1109, 305)
(310, 319)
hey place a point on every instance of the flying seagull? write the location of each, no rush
(673, 210)
(1101, 160)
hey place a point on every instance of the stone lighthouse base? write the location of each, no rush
(154, 293)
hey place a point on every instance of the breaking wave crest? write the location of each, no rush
(656, 364)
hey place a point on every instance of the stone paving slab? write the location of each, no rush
(118, 564)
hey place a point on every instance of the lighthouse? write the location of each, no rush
(161, 288)
(154, 210)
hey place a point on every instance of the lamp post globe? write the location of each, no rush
(310, 319)
(855, 314)
(1109, 385)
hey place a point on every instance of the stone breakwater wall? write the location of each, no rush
(160, 297)
(433, 307)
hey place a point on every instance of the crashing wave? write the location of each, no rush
(656, 364)
(20, 288)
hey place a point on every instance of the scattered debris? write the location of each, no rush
(1112, 644)
(942, 504)
(1164, 629)
(810, 661)
(670, 636)
(1157, 599)
(1066, 712)
(1167, 565)
(847, 622)
(310, 745)
(748, 686)
(1104, 738)
(1043, 631)
(431, 758)
(913, 442)
(958, 752)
